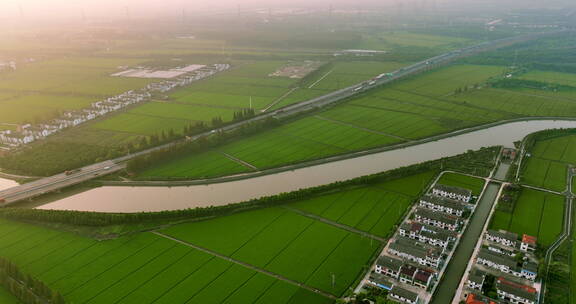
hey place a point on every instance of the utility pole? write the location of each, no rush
(333, 279)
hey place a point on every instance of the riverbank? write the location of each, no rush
(306, 164)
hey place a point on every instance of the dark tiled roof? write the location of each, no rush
(437, 216)
(504, 235)
(406, 294)
(516, 289)
(497, 258)
(453, 189)
(390, 263)
(442, 201)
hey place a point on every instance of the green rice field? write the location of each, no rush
(535, 213)
(548, 163)
(149, 268)
(7, 298)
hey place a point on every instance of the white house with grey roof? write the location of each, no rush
(452, 192)
(442, 204)
(502, 237)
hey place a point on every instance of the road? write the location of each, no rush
(59, 181)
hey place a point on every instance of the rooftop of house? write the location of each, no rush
(415, 248)
(408, 270)
(500, 259)
(380, 279)
(390, 263)
(530, 266)
(474, 298)
(453, 189)
(516, 289)
(528, 239)
(406, 294)
(438, 216)
(442, 201)
(476, 276)
(504, 234)
(423, 275)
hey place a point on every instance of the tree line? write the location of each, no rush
(24, 287)
(141, 163)
(483, 157)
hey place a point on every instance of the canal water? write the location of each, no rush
(463, 254)
(138, 199)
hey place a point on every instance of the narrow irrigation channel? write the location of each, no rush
(463, 253)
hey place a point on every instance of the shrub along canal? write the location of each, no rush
(142, 198)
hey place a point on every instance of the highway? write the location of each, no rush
(59, 181)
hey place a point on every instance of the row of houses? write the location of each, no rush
(503, 252)
(29, 133)
(528, 243)
(403, 272)
(395, 291)
(438, 219)
(506, 264)
(419, 247)
(427, 234)
(416, 252)
(507, 291)
(452, 192)
(443, 204)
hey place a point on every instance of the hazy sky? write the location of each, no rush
(111, 8)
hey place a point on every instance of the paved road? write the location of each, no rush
(59, 181)
(249, 266)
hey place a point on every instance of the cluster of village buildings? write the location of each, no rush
(414, 259)
(509, 261)
(28, 133)
(7, 66)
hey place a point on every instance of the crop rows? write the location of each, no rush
(535, 213)
(140, 269)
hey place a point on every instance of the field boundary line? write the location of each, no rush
(360, 128)
(249, 266)
(113, 265)
(154, 276)
(184, 278)
(279, 99)
(335, 224)
(321, 78)
(239, 161)
(129, 274)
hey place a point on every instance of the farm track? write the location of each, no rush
(279, 99)
(241, 162)
(249, 266)
(335, 224)
(361, 128)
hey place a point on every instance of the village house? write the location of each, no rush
(380, 281)
(442, 204)
(474, 298)
(437, 219)
(403, 295)
(455, 193)
(388, 266)
(476, 279)
(502, 237)
(427, 234)
(423, 278)
(528, 243)
(506, 264)
(28, 134)
(407, 274)
(495, 247)
(415, 252)
(515, 293)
